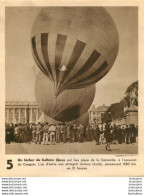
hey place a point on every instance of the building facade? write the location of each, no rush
(95, 113)
(22, 112)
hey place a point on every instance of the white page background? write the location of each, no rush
(81, 186)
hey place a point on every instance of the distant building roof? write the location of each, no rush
(102, 108)
(9, 103)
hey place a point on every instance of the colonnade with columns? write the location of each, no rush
(21, 113)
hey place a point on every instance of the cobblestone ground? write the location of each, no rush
(70, 148)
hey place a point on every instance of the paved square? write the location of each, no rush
(70, 148)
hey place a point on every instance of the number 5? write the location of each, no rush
(9, 162)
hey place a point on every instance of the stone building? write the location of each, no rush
(95, 114)
(22, 112)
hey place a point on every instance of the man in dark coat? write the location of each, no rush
(20, 133)
(108, 136)
(64, 132)
(8, 134)
(70, 132)
(91, 133)
(23, 133)
(39, 133)
(119, 134)
(28, 132)
(123, 135)
(87, 133)
(84, 132)
(81, 132)
(127, 131)
(12, 132)
(75, 133)
(133, 133)
(97, 134)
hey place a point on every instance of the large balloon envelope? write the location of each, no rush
(84, 119)
(68, 105)
(74, 46)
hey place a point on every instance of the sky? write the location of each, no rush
(21, 69)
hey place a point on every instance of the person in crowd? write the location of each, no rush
(133, 133)
(119, 134)
(58, 129)
(8, 134)
(16, 134)
(94, 130)
(52, 133)
(23, 134)
(123, 134)
(136, 131)
(81, 133)
(39, 133)
(91, 133)
(102, 138)
(20, 129)
(108, 136)
(45, 134)
(67, 133)
(70, 132)
(31, 129)
(61, 134)
(12, 131)
(28, 134)
(75, 133)
(97, 134)
(87, 132)
(63, 130)
(127, 131)
(84, 132)
(114, 134)
(34, 127)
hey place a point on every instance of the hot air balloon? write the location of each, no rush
(84, 119)
(68, 105)
(74, 46)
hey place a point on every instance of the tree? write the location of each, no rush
(131, 87)
(115, 111)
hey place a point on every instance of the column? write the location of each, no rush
(7, 115)
(13, 120)
(25, 115)
(36, 115)
(19, 115)
(30, 115)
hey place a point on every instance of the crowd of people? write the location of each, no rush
(55, 133)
